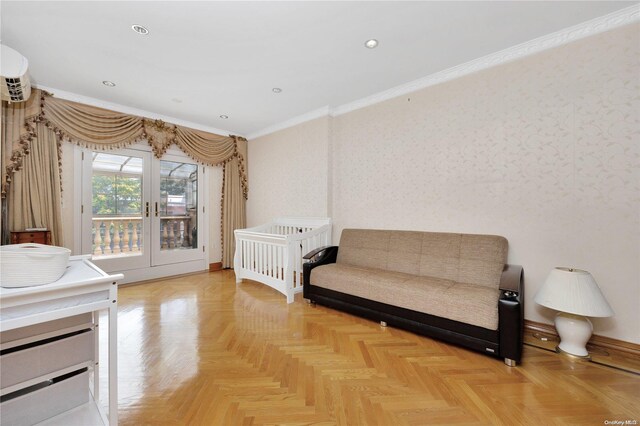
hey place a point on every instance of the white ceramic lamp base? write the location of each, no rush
(574, 332)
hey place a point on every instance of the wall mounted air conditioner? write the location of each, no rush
(14, 81)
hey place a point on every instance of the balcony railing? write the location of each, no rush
(175, 232)
(123, 236)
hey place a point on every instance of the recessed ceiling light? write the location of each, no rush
(140, 29)
(108, 83)
(276, 90)
(224, 117)
(371, 44)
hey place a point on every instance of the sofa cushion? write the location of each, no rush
(464, 258)
(364, 248)
(482, 259)
(440, 255)
(467, 303)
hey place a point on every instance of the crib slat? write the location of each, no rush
(264, 258)
(276, 263)
(265, 251)
(279, 261)
(267, 264)
(280, 266)
(253, 256)
(258, 262)
(245, 247)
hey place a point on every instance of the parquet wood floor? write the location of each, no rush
(197, 350)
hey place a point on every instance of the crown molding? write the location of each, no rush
(592, 27)
(311, 115)
(549, 41)
(74, 97)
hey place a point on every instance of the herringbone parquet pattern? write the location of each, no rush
(198, 350)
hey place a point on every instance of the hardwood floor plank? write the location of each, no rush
(200, 350)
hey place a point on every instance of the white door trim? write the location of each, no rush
(83, 197)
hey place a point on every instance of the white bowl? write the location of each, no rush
(25, 265)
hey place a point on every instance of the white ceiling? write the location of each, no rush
(206, 59)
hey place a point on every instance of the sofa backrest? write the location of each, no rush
(466, 258)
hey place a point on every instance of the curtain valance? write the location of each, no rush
(29, 123)
(101, 129)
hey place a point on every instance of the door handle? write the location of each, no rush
(146, 209)
(156, 209)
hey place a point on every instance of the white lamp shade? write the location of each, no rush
(573, 291)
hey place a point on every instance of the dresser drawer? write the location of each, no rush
(40, 237)
(30, 238)
(26, 364)
(46, 402)
(18, 336)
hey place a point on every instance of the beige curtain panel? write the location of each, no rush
(18, 130)
(23, 129)
(233, 203)
(34, 195)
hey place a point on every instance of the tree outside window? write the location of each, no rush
(116, 195)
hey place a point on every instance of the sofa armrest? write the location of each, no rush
(511, 312)
(314, 253)
(511, 280)
(319, 256)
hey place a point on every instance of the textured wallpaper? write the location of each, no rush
(288, 173)
(544, 151)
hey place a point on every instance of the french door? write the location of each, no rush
(144, 211)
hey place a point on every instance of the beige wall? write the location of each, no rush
(289, 174)
(544, 151)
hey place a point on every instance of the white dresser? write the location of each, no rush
(49, 346)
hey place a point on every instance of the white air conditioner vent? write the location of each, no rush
(14, 83)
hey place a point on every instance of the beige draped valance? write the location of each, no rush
(101, 129)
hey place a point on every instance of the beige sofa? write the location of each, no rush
(456, 287)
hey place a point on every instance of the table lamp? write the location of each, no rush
(576, 295)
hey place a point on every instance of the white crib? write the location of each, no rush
(272, 253)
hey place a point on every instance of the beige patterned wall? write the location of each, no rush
(544, 151)
(289, 174)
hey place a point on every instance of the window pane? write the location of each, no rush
(117, 205)
(178, 205)
(128, 195)
(104, 198)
